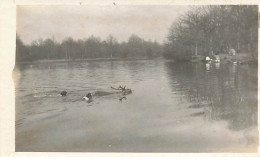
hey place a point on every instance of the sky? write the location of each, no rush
(80, 22)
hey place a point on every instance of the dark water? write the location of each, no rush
(190, 107)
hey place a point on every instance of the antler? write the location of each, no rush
(119, 88)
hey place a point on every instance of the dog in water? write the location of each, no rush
(88, 97)
(63, 93)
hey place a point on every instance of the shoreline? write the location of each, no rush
(240, 58)
(87, 59)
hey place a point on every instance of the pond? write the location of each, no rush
(174, 107)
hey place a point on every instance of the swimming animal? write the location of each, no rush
(125, 91)
(88, 97)
(102, 93)
(63, 93)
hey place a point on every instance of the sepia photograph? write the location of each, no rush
(136, 78)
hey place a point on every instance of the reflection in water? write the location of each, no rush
(226, 93)
(217, 103)
(217, 65)
(207, 66)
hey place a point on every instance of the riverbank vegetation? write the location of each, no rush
(204, 29)
(199, 32)
(90, 48)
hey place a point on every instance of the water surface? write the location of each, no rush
(188, 107)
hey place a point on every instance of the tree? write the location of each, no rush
(213, 28)
(67, 47)
(22, 52)
(111, 41)
(92, 47)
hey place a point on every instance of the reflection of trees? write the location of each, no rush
(226, 93)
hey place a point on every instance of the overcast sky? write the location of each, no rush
(148, 22)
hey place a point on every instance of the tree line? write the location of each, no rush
(92, 47)
(199, 31)
(204, 29)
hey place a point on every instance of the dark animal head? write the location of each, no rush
(89, 95)
(63, 93)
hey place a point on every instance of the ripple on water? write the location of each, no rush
(170, 101)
